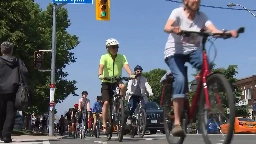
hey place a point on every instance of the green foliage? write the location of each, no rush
(30, 28)
(230, 73)
(153, 78)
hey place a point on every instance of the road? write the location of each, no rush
(157, 139)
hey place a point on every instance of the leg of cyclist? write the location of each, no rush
(176, 65)
(134, 100)
(107, 94)
(89, 120)
(94, 121)
(122, 88)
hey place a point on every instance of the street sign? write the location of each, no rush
(73, 1)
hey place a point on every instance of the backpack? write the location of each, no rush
(23, 96)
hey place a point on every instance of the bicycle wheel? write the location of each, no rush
(142, 122)
(166, 97)
(133, 128)
(217, 80)
(97, 133)
(109, 127)
(120, 118)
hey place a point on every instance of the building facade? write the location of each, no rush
(248, 86)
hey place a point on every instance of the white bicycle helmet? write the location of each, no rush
(111, 42)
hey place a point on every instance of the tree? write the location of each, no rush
(230, 73)
(29, 28)
(153, 78)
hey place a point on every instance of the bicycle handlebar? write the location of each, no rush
(117, 78)
(207, 34)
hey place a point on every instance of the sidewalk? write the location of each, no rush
(31, 138)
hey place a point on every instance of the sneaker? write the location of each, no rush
(177, 131)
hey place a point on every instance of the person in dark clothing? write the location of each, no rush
(9, 83)
(74, 117)
(68, 115)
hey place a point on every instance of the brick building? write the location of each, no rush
(248, 86)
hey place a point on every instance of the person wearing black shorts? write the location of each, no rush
(74, 118)
(68, 115)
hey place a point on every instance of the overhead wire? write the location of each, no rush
(214, 7)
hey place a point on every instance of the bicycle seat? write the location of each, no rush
(167, 77)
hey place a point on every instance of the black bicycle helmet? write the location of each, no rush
(99, 97)
(84, 92)
(138, 67)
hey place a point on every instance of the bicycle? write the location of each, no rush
(82, 128)
(98, 126)
(139, 122)
(117, 106)
(201, 96)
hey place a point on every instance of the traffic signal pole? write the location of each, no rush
(53, 67)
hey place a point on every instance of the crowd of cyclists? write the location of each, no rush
(178, 50)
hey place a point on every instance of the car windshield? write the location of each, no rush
(152, 105)
(246, 119)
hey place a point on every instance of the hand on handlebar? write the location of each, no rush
(129, 93)
(132, 76)
(176, 30)
(233, 33)
(101, 77)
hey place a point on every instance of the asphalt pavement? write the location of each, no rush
(157, 139)
(147, 139)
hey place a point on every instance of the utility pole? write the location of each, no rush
(53, 71)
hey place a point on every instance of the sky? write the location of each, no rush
(138, 26)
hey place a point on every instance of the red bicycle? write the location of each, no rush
(201, 102)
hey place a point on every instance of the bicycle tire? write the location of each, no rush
(110, 125)
(144, 118)
(132, 130)
(166, 119)
(231, 102)
(121, 122)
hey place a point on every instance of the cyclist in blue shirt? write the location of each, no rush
(97, 109)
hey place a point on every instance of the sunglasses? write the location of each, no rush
(138, 71)
(114, 47)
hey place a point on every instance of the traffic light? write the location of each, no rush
(102, 10)
(38, 60)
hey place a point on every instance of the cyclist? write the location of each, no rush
(68, 115)
(111, 64)
(179, 49)
(137, 87)
(74, 118)
(97, 109)
(84, 106)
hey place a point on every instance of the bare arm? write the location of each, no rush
(127, 68)
(101, 66)
(168, 28)
(101, 69)
(126, 65)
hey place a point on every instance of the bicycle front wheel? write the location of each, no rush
(142, 122)
(120, 118)
(221, 100)
(109, 128)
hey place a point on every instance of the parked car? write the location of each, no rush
(213, 126)
(154, 117)
(242, 125)
(18, 124)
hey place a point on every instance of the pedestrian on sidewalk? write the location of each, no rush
(9, 83)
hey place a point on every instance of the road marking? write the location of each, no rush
(101, 142)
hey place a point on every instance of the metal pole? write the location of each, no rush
(233, 4)
(52, 88)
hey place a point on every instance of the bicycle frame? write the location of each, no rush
(204, 73)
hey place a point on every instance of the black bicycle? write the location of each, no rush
(139, 122)
(116, 110)
(98, 126)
